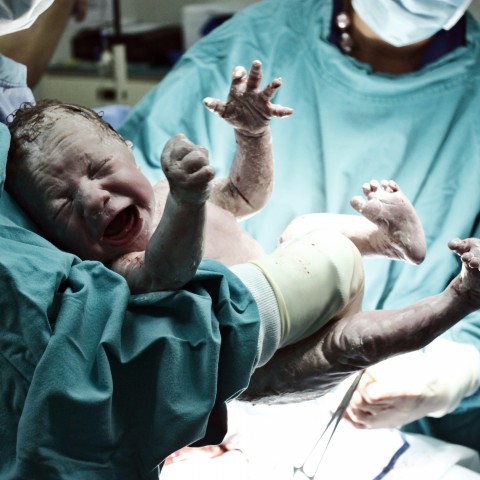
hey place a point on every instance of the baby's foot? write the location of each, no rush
(468, 282)
(400, 234)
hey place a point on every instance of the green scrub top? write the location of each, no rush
(98, 384)
(350, 125)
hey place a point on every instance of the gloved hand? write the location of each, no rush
(405, 388)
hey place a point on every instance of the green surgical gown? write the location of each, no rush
(98, 384)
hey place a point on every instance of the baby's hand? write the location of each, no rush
(247, 108)
(187, 170)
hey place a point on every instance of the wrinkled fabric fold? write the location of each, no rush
(98, 384)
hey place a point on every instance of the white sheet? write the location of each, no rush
(272, 439)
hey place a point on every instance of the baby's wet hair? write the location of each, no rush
(28, 122)
(26, 126)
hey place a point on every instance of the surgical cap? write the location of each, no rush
(20, 14)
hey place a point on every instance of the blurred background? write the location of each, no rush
(86, 69)
(89, 68)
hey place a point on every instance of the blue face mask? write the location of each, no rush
(19, 14)
(403, 22)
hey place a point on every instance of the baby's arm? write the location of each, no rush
(175, 249)
(249, 110)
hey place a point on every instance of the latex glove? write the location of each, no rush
(403, 389)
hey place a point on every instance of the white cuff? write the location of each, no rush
(270, 324)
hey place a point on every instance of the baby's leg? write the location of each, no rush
(389, 226)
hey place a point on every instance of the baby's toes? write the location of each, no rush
(474, 245)
(474, 262)
(374, 186)
(459, 246)
(358, 203)
(470, 260)
(390, 186)
(367, 189)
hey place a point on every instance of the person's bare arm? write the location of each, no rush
(249, 110)
(175, 249)
(35, 46)
(312, 367)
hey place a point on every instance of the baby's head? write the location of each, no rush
(77, 179)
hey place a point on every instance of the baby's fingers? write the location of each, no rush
(254, 76)
(214, 105)
(194, 160)
(279, 111)
(197, 168)
(201, 176)
(239, 80)
(269, 91)
(196, 186)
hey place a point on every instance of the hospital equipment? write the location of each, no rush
(311, 464)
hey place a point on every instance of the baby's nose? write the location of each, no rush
(94, 199)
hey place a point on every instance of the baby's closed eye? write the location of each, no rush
(96, 169)
(62, 205)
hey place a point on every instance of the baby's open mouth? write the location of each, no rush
(124, 227)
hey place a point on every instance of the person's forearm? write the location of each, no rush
(249, 185)
(35, 46)
(312, 367)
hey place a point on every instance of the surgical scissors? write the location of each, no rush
(332, 424)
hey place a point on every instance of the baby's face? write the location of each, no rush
(91, 199)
